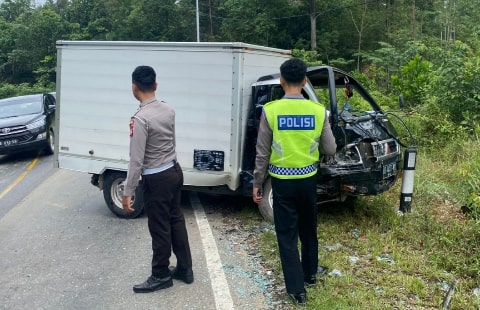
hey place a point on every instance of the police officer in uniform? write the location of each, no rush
(292, 133)
(153, 157)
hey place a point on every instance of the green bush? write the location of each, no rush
(310, 57)
(414, 81)
(11, 90)
(432, 125)
(469, 185)
(457, 83)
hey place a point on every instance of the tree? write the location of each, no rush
(457, 82)
(258, 22)
(359, 26)
(10, 10)
(7, 44)
(345, 33)
(79, 11)
(152, 20)
(35, 36)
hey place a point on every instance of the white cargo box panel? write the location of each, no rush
(208, 85)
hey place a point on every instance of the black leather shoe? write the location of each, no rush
(310, 280)
(299, 299)
(152, 284)
(186, 275)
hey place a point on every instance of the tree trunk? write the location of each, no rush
(414, 30)
(359, 27)
(313, 26)
(210, 17)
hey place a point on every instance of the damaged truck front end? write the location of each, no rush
(362, 165)
(368, 155)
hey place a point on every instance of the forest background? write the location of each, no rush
(425, 50)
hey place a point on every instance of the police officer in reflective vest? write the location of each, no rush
(293, 132)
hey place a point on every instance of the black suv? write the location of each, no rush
(27, 123)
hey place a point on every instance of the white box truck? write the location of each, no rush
(217, 91)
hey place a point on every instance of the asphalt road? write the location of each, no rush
(61, 248)
(28, 169)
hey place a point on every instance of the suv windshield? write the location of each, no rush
(20, 107)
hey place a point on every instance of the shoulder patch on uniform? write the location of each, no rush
(132, 122)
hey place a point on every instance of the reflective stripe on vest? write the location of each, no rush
(296, 125)
(292, 171)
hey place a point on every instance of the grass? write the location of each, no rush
(387, 261)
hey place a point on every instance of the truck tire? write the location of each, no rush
(266, 206)
(113, 193)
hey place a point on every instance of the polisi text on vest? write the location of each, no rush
(296, 122)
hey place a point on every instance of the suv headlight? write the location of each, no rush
(36, 124)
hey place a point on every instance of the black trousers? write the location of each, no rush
(295, 215)
(162, 196)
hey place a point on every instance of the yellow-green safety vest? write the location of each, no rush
(297, 125)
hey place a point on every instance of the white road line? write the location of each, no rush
(221, 290)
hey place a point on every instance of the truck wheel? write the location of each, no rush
(266, 206)
(113, 193)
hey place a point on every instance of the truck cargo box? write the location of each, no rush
(208, 85)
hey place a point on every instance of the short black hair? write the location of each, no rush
(144, 77)
(293, 71)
